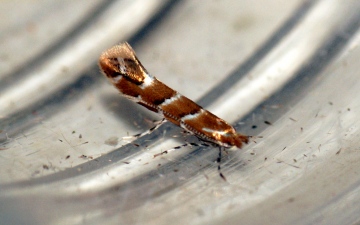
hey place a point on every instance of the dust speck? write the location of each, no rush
(112, 141)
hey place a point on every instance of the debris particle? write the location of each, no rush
(267, 122)
(83, 157)
(338, 152)
(112, 141)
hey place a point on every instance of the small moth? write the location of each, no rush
(121, 66)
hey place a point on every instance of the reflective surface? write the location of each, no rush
(293, 80)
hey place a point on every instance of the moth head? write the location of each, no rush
(239, 140)
(121, 61)
(231, 138)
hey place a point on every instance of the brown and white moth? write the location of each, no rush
(121, 66)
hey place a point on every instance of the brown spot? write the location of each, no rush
(291, 200)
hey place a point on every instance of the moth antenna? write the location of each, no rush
(182, 146)
(136, 136)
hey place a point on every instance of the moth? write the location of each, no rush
(124, 70)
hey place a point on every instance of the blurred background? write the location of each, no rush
(284, 72)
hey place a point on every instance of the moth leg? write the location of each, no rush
(219, 163)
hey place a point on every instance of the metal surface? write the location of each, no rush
(293, 80)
